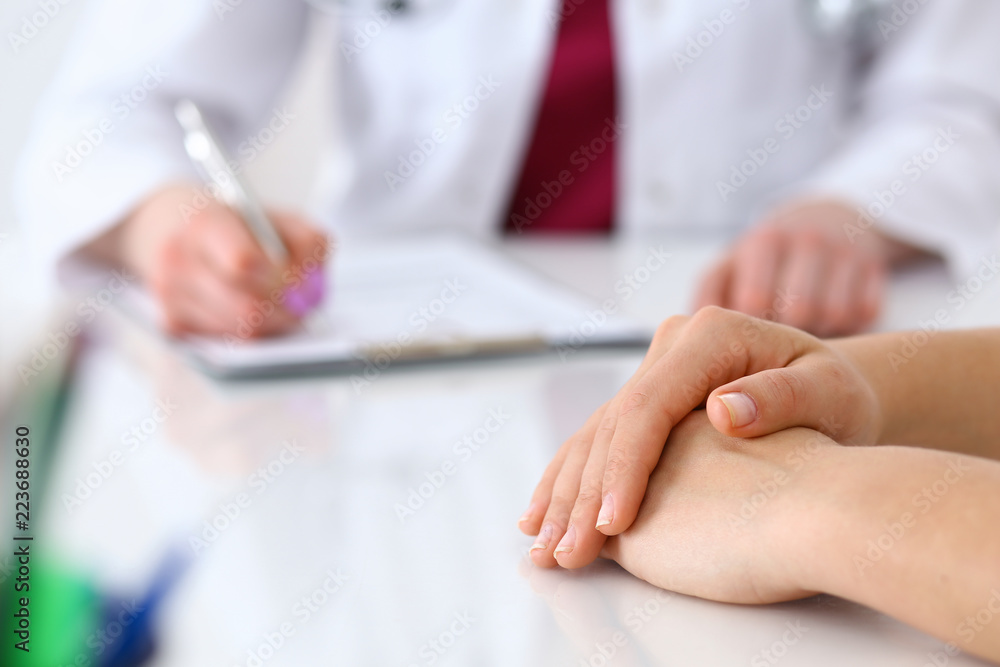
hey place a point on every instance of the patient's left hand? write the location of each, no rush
(730, 519)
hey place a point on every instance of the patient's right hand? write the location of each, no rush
(208, 272)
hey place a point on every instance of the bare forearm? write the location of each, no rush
(936, 390)
(912, 535)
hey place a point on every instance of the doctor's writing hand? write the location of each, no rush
(800, 267)
(755, 378)
(210, 275)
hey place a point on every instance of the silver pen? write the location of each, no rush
(206, 152)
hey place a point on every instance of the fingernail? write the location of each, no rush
(607, 514)
(742, 408)
(542, 541)
(527, 513)
(568, 542)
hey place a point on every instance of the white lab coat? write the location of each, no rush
(706, 87)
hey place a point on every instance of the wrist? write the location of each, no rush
(812, 523)
(839, 502)
(867, 356)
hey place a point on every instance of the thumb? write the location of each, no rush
(773, 400)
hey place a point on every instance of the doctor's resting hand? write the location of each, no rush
(808, 265)
(207, 271)
(758, 378)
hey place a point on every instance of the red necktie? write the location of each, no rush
(567, 183)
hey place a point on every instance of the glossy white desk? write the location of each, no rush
(319, 559)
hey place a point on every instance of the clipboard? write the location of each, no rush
(425, 299)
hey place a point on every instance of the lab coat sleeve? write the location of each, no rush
(928, 121)
(104, 135)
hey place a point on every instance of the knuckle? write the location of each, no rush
(787, 390)
(589, 495)
(560, 507)
(710, 316)
(617, 468)
(608, 423)
(811, 236)
(838, 376)
(712, 321)
(636, 400)
(669, 326)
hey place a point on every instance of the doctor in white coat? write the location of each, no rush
(829, 138)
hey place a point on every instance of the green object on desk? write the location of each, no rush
(64, 611)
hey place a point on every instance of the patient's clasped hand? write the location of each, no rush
(815, 466)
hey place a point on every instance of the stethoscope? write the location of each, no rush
(843, 18)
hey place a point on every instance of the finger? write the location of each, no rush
(181, 312)
(222, 308)
(582, 542)
(593, 509)
(803, 274)
(842, 312)
(714, 287)
(229, 249)
(802, 394)
(185, 314)
(238, 313)
(531, 520)
(195, 312)
(303, 240)
(714, 350)
(756, 272)
(564, 492)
